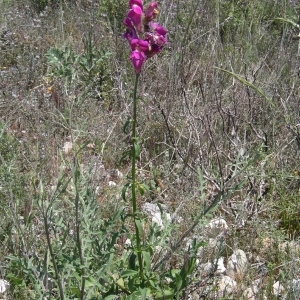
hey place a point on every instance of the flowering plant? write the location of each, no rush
(145, 37)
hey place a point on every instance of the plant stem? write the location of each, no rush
(47, 230)
(76, 175)
(133, 183)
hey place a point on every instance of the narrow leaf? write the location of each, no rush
(124, 189)
(139, 225)
(289, 21)
(147, 260)
(128, 273)
(126, 125)
(132, 261)
(251, 85)
(111, 297)
(137, 149)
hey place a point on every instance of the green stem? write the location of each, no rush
(133, 176)
(52, 255)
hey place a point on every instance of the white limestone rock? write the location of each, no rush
(237, 265)
(159, 217)
(217, 267)
(216, 227)
(225, 286)
(4, 286)
(278, 289)
(67, 148)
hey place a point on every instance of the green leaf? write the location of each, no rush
(142, 187)
(90, 282)
(144, 293)
(111, 297)
(289, 21)
(141, 190)
(145, 187)
(192, 265)
(124, 189)
(147, 260)
(128, 273)
(126, 125)
(137, 149)
(132, 259)
(120, 283)
(76, 291)
(178, 282)
(15, 280)
(167, 294)
(138, 224)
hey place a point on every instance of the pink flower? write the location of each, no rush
(156, 36)
(138, 58)
(151, 11)
(136, 2)
(135, 15)
(130, 33)
(141, 45)
(138, 54)
(145, 37)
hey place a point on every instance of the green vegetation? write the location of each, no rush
(219, 137)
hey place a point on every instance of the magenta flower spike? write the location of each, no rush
(146, 38)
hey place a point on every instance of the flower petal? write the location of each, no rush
(151, 11)
(158, 28)
(138, 58)
(135, 14)
(136, 2)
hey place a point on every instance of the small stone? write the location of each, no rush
(237, 264)
(225, 286)
(216, 227)
(4, 285)
(67, 148)
(251, 293)
(112, 184)
(278, 289)
(128, 243)
(217, 267)
(157, 218)
(116, 174)
(294, 288)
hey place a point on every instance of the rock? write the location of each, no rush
(216, 268)
(291, 247)
(216, 227)
(158, 216)
(128, 243)
(225, 286)
(253, 292)
(278, 289)
(150, 208)
(115, 174)
(112, 184)
(294, 288)
(237, 265)
(4, 285)
(67, 148)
